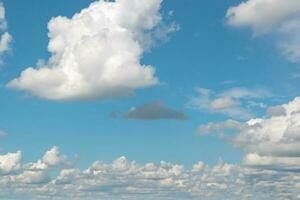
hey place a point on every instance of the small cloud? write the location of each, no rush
(156, 110)
(234, 102)
(227, 82)
(5, 38)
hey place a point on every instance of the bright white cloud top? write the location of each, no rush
(97, 53)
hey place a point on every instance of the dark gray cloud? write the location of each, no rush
(155, 110)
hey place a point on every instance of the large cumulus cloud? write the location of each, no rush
(97, 53)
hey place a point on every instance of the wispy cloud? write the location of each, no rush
(234, 102)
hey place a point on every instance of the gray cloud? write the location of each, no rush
(154, 111)
(276, 111)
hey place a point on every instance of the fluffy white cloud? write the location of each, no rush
(51, 159)
(271, 142)
(5, 38)
(262, 15)
(125, 179)
(97, 53)
(3, 23)
(10, 162)
(234, 102)
(5, 42)
(282, 17)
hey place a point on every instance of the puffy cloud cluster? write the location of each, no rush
(97, 53)
(264, 16)
(272, 142)
(125, 179)
(10, 162)
(5, 38)
(234, 102)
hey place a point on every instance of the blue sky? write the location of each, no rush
(211, 68)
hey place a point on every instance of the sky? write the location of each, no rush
(150, 99)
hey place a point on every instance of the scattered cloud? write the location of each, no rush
(234, 102)
(5, 38)
(125, 179)
(220, 128)
(154, 111)
(264, 16)
(270, 142)
(90, 55)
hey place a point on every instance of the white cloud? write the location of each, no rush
(220, 128)
(234, 102)
(51, 159)
(126, 179)
(3, 23)
(10, 162)
(5, 38)
(97, 53)
(5, 41)
(272, 142)
(263, 16)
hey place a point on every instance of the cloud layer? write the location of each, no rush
(97, 53)
(264, 16)
(53, 177)
(154, 111)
